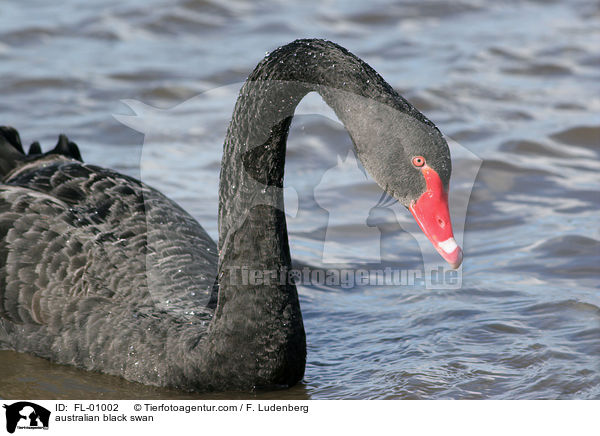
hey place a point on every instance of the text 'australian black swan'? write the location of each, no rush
(100, 271)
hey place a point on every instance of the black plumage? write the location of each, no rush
(101, 271)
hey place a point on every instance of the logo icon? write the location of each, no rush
(348, 226)
(26, 415)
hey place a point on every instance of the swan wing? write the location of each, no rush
(77, 240)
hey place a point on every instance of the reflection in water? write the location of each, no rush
(25, 376)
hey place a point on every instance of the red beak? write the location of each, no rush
(432, 215)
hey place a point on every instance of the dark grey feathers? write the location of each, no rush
(96, 267)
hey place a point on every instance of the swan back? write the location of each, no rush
(86, 252)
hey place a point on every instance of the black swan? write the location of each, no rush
(100, 271)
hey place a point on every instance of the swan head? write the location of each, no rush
(409, 158)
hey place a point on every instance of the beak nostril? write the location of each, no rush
(441, 222)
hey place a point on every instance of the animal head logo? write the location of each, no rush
(192, 134)
(26, 415)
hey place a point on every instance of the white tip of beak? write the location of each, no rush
(451, 252)
(449, 245)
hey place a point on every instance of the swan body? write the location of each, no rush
(101, 271)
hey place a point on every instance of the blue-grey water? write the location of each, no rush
(516, 87)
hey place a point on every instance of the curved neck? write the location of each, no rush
(257, 306)
(252, 167)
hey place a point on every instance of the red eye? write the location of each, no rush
(418, 161)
